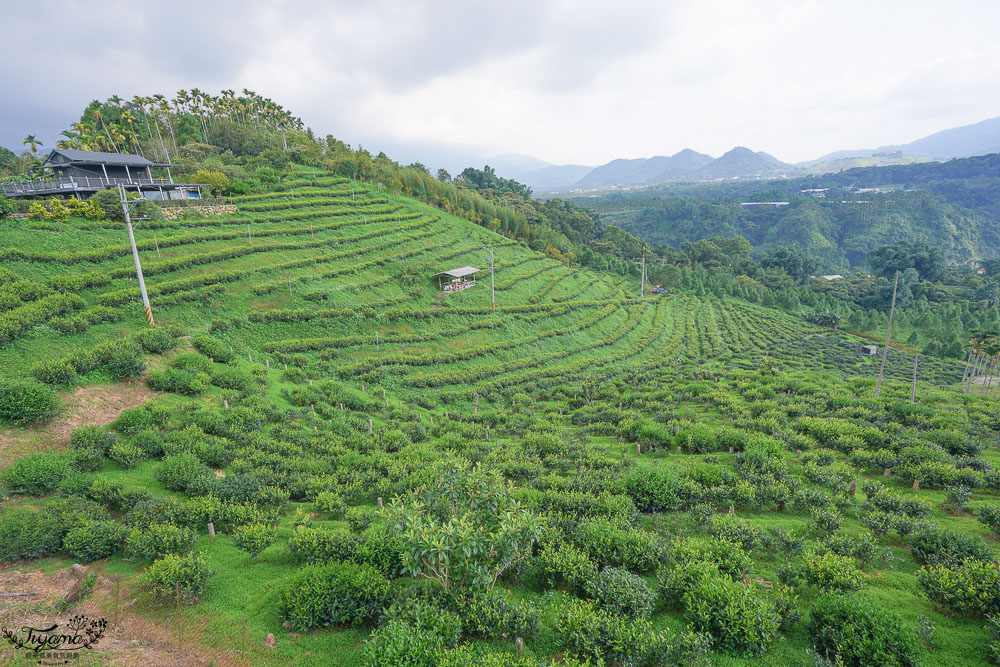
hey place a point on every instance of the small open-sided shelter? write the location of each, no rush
(456, 279)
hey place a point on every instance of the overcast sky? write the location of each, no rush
(567, 82)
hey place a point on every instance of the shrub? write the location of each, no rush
(594, 636)
(178, 381)
(116, 494)
(333, 594)
(621, 592)
(189, 361)
(949, 548)
(990, 516)
(187, 574)
(464, 529)
(825, 520)
(830, 571)
(26, 401)
(331, 504)
(493, 616)
(566, 566)
(126, 454)
(27, 534)
(158, 539)
(972, 588)
(317, 545)
(732, 614)
(654, 489)
(94, 540)
(178, 472)
(609, 544)
(156, 340)
(37, 474)
(381, 549)
(133, 420)
(213, 349)
(853, 631)
(253, 538)
(54, 371)
(155, 510)
(93, 437)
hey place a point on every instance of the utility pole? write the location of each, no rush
(493, 292)
(642, 284)
(888, 334)
(135, 253)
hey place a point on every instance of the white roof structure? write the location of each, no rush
(458, 273)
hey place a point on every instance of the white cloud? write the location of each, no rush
(568, 82)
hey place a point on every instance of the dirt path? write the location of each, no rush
(87, 405)
(130, 638)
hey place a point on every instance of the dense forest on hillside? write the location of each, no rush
(955, 204)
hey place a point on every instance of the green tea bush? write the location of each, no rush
(654, 489)
(178, 472)
(739, 531)
(833, 572)
(563, 565)
(54, 372)
(738, 620)
(190, 361)
(178, 381)
(318, 545)
(594, 636)
(933, 546)
(26, 401)
(609, 544)
(158, 539)
(495, 616)
(382, 549)
(213, 349)
(253, 538)
(37, 474)
(621, 592)
(331, 503)
(116, 494)
(93, 437)
(232, 378)
(133, 420)
(990, 516)
(156, 510)
(94, 540)
(156, 340)
(28, 534)
(126, 454)
(187, 574)
(333, 594)
(854, 631)
(969, 589)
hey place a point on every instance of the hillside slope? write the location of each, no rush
(335, 378)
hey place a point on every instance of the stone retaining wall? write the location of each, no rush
(174, 212)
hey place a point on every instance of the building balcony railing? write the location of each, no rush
(71, 184)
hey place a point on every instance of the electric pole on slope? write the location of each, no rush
(642, 282)
(888, 334)
(493, 292)
(126, 210)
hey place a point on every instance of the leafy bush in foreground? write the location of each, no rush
(855, 632)
(175, 573)
(94, 540)
(333, 594)
(738, 620)
(37, 473)
(621, 592)
(26, 401)
(27, 534)
(972, 588)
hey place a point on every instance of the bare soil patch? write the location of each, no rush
(129, 640)
(80, 407)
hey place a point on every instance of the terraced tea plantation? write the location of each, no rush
(393, 475)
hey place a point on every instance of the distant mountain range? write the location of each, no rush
(688, 165)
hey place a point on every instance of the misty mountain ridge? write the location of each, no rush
(980, 138)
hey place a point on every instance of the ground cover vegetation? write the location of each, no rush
(395, 476)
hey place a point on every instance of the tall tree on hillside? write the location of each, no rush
(32, 142)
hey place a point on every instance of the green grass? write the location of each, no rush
(672, 359)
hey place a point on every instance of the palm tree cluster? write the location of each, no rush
(152, 123)
(984, 356)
